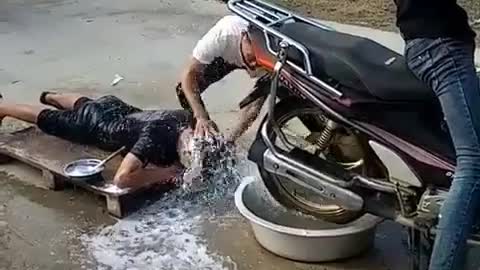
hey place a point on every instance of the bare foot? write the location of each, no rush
(46, 99)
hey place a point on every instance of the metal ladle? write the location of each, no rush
(87, 170)
(107, 159)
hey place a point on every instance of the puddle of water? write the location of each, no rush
(169, 234)
(166, 235)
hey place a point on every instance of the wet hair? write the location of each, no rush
(218, 156)
(250, 29)
(213, 159)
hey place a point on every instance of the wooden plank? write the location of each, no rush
(51, 181)
(114, 205)
(48, 153)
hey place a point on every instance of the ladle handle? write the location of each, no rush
(112, 155)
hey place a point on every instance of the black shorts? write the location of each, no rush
(82, 124)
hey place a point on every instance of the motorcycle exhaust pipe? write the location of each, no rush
(324, 184)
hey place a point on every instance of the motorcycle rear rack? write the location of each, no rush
(265, 16)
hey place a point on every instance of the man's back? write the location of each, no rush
(433, 19)
(150, 135)
(182, 116)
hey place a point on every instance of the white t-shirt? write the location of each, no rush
(222, 41)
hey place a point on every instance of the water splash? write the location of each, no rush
(168, 234)
(213, 169)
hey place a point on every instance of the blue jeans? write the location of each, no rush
(447, 66)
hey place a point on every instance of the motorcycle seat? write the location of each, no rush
(356, 62)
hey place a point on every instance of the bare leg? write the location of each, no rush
(27, 113)
(62, 101)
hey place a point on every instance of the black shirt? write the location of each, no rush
(433, 19)
(151, 136)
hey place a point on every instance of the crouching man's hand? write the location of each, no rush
(205, 127)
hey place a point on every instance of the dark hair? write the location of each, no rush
(250, 27)
(218, 157)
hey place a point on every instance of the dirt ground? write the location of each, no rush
(373, 13)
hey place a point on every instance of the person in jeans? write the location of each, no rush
(440, 48)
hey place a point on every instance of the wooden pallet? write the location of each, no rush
(50, 154)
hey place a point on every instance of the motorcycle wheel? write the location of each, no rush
(290, 194)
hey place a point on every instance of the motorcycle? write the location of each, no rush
(354, 131)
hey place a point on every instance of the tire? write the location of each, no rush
(284, 110)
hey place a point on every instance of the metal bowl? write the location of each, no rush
(299, 237)
(80, 170)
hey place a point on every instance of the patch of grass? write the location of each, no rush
(376, 13)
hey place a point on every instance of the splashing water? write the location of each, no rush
(213, 167)
(167, 234)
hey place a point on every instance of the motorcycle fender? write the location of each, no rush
(257, 150)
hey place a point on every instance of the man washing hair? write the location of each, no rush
(224, 48)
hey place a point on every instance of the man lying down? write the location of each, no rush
(158, 141)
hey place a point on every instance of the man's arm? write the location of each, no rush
(209, 47)
(247, 116)
(190, 76)
(192, 73)
(131, 173)
(250, 107)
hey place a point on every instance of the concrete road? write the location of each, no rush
(73, 45)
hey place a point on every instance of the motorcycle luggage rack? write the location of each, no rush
(265, 16)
